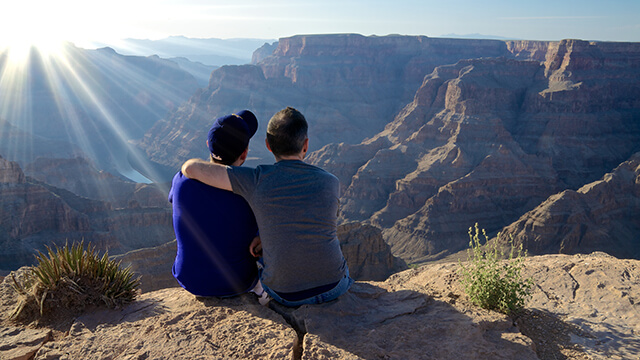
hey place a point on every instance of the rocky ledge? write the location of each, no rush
(583, 307)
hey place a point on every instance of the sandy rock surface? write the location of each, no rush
(582, 307)
(174, 324)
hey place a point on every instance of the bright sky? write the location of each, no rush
(81, 21)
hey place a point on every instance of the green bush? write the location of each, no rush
(71, 278)
(491, 282)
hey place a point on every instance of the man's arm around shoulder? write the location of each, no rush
(207, 172)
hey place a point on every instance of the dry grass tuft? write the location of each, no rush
(69, 279)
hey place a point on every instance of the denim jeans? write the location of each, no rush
(343, 285)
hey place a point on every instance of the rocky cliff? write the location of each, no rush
(81, 177)
(28, 209)
(602, 215)
(348, 86)
(34, 214)
(368, 256)
(582, 307)
(486, 140)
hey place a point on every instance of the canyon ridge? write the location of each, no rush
(430, 136)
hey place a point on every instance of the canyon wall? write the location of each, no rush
(602, 215)
(429, 136)
(80, 176)
(34, 214)
(348, 86)
(486, 140)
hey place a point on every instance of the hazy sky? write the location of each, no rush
(84, 20)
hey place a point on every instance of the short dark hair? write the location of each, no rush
(286, 132)
(223, 161)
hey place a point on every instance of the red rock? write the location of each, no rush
(600, 216)
(486, 140)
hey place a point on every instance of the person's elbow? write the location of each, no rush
(189, 168)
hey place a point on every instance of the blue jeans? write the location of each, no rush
(343, 285)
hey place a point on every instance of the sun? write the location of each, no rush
(29, 24)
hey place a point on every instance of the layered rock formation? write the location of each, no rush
(368, 256)
(348, 86)
(81, 177)
(153, 265)
(433, 135)
(582, 307)
(602, 215)
(487, 140)
(34, 214)
(28, 209)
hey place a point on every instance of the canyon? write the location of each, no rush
(537, 142)
(427, 136)
(430, 136)
(34, 215)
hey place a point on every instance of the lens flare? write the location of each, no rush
(92, 103)
(28, 25)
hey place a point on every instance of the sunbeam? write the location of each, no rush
(97, 100)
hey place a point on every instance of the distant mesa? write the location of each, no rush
(477, 36)
(207, 51)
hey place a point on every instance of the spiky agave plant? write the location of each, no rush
(72, 277)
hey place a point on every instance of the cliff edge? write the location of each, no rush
(583, 307)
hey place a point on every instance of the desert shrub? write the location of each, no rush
(492, 278)
(69, 279)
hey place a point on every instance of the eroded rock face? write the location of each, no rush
(347, 86)
(81, 177)
(28, 210)
(153, 265)
(10, 172)
(34, 214)
(486, 140)
(368, 256)
(603, 215)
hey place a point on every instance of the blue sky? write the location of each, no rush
(81, 21)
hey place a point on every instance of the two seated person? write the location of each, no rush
(225, 216)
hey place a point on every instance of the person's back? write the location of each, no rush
(296, 207)
(214, 228)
